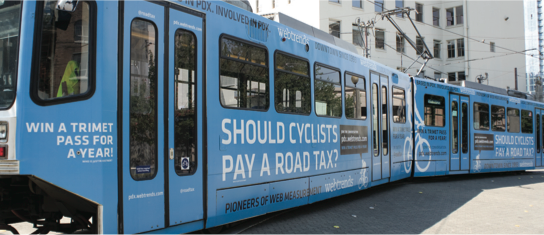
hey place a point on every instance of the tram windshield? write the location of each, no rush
(9, 43)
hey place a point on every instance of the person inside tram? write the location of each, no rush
(69, 85)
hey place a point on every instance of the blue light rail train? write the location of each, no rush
(177, 116)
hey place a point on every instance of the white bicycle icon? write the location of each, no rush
(363, 181)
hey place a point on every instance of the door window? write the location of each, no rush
(375, 119)
(454, 127)
(143, 100)
(385, 109)
(185, 63)
(464, 126)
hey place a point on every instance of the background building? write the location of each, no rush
(467, 38)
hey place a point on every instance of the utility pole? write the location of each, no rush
(368, 25)
(516, 77)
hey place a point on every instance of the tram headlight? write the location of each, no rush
(3, 131)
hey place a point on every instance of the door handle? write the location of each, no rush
(171, 154)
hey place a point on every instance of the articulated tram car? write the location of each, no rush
(171, 117)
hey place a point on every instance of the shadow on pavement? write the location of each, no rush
(408, 206)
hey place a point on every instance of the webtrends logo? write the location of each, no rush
(285, 33)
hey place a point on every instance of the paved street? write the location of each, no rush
(486, 203)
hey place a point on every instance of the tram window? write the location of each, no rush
(328, 92)
(143, 100)
(385, 119)
(185, 161)
(464, 126)
(65, 56)
(434, 110)
(399, 105)
(9, 46)
(454, 127)
(481, 116)
(538, 133)
(526, 122)
(244, 75)
(513, 120)
(498, 123)
(375, 119)
(292, 85)
(355, 96)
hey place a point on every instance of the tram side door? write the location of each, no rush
(142, 84)
(455, 145)
(184, 107)
(538, 138)
(464, 133)
(379, 93)
(459, 133)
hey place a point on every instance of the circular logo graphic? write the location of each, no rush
(185, 163)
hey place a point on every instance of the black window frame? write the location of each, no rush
(191, 172)
(346, 73)
(532, 121)
(156, 148)
(15, 79)
(425, 107)
(230, 37)
(508, 123)
(340, 84)
(393, 102)
(309, 78)
(38, 22)
(475, 111)
(496, 113)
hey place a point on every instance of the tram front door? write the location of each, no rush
(161, 90)
(379, 95)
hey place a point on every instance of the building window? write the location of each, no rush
(273, 4)
(335, 1)
(243, 75)
(437, 75)
(460, 47)
(436, 16)
(419, 12)
(328, 92)
(449, 17)
(461, 76)
(419, 45)
(492, 46)
(459, 14)
(334, 28)
(399, 4)
(378, 5)
(357, 36)
(380, 39)
(451, 77)
(434, 110)
(357, 3)
(355, 96)
(292, 85)
(451, 49)
(481, 116)
(454, 16)
(257, 6)
(400, 43)
(436, 48)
